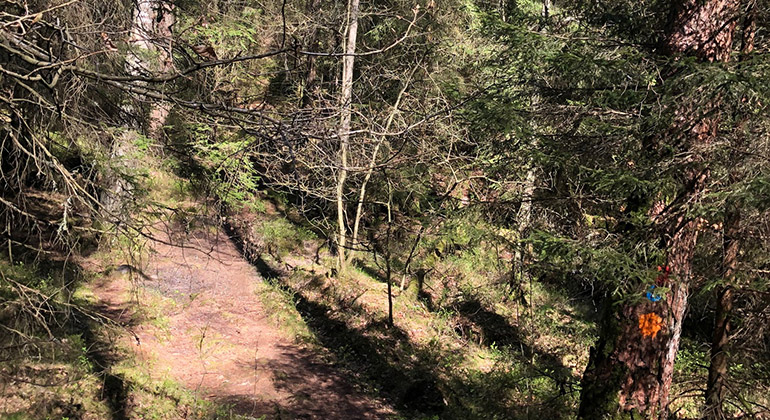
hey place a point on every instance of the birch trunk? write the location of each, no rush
(151, 27)
(344, 130)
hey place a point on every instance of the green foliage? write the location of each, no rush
(232, 178)
(623, 271)
(691, 361)
(282, 236)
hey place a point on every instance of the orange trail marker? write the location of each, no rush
(650, 324)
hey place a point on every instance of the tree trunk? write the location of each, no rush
(718, 367)
(360, 204)
(344, 130)
(308, 92)
(715, 388)
(388, 271)
(163, 23)
(151, 27)
(522, 253)
(631, 369)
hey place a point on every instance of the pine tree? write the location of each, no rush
(631, 369)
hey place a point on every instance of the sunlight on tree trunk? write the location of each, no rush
(344, 130)
(150, 33)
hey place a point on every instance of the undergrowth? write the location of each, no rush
(460, 348)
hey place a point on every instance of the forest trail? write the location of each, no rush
(216, 339)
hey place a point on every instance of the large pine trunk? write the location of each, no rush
(630, 370)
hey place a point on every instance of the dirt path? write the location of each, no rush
(218, 341)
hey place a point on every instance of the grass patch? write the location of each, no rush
(280, 236)
(280, 306)
(153, 398)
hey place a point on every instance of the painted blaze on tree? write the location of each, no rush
(650, 324)
(630, 370)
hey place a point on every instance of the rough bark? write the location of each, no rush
(344, 130)
(150, 32)
(704, 29)
(630, 371)
(717, 378)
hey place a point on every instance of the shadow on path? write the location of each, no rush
(423, 381)
(373, 363)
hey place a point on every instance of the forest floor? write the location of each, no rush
(197, 320)
(247, 320)
(242, 318)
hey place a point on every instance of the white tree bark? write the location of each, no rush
(150, 34)
(346, 98)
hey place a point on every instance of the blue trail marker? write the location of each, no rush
(651, 295)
